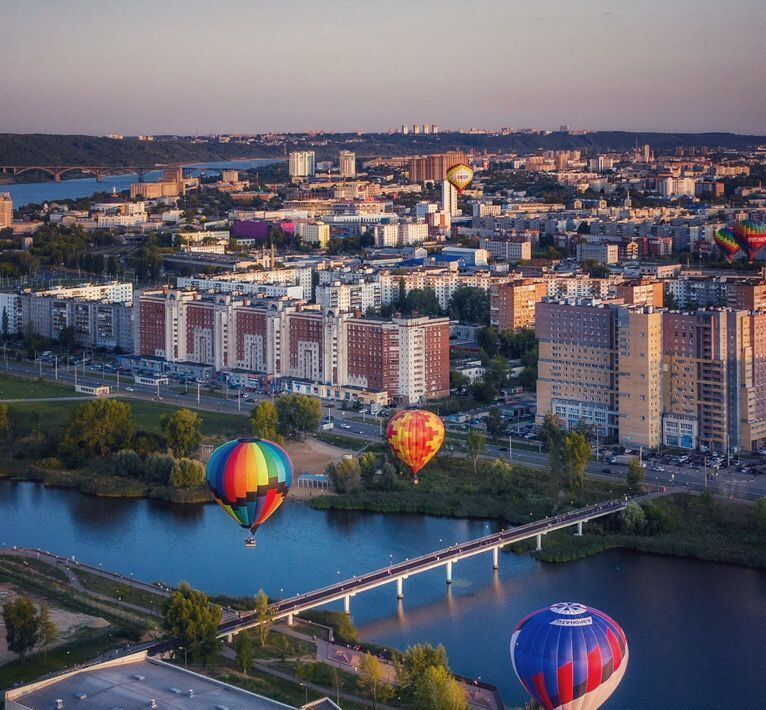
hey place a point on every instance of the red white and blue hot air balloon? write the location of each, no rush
(569, 656)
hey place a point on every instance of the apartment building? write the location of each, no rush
(648, 377)
(434, 167)
(443, 282)
(6, 210)
(512, 305)
(254, 282)
(349, 296)
(408, 358)
(601, 252)
(513, 249)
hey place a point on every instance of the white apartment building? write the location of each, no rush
(443, 283)
(347, 163)
(348, 297)
(246, 282)
(316, 233)
(449, 198)
(302, 163)
(412, 233)
(386, 235)
(507, 249)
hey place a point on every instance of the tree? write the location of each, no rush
(484, 390)
(760, 514)
(438, 690)
(499, 476)
(553, 438)
(345, 475)
(97, 428)
(372, 680)
(635, 476)
(553, 254)
(421, 301)
(469, 304)
(187, 473)
(264, 420)
(576, 453)
(474, 444)
(488, 340)
(417, 659)
(298, 415)
(264, 614)
(243, 645)
(193, 621)
(632, 518)
(181, 430)
(368, 463)
(5, 421)
(494, 422)
(27, 626)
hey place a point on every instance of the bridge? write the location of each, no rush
(56, 171)
(446, 558)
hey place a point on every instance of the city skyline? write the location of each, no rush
(143, 68)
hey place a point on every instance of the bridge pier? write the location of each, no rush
(56, 177)
(400, 588)
(539, 542)
(449, 572)
(579, 529)
(230, 638)
(289, 619)
(495, 557)
(347, 604)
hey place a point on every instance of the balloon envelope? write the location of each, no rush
(725, 241)
(569, 656)
(415, 436)
(249, 479)
(459, 176)
(751, 237)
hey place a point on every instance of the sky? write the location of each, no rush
(247, 66)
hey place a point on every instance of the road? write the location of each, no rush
(727, 483)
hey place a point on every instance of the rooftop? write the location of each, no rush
(133, 683)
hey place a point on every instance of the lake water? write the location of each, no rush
(695, 630)
(39, 192)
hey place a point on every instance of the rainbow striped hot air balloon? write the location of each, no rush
(459, 176)
(725, 241)
(415, 436)
(569, 656)
(751, 237)
(249, 479)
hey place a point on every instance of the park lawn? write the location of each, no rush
(16, 388)
(27, 564)
(50, 416)
(87, 644)
(120, 590)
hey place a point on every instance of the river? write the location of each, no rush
(695, 630)
(39, 192)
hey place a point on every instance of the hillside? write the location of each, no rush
(29, 149)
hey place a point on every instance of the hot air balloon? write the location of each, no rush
(725, 241)
(751, 237)
(249, 479)
(459, 176)
(415, 436)
(569, 656)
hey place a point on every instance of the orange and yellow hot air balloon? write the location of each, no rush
(459, 176)
(415, 436)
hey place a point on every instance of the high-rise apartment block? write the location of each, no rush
(302, 163)
(434, 167)
(449, 198)
(512, 305)
(6, 210)
(647, 377)
(347, 163)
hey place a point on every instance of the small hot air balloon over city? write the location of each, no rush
(460, 176)
(725, 241)
(569, 656)
(751, 237)
(415, 436)
(249, 479)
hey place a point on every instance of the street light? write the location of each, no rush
(183, 648)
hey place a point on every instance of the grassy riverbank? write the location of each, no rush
(450, 487)
(682, 525)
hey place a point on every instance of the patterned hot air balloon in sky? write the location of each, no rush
(249, 479)
(415, 436)
(725, 241)
(459, 176)
(751, 237)
(569, 656)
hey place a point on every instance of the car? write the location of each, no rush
(130, 389)
(345, 426)
(606, 470)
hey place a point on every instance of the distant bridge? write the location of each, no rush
(56, 171)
